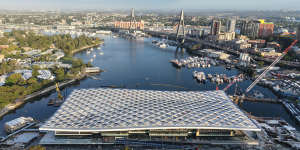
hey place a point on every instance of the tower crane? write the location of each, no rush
(271, 66)
(264, 73)
(59, 96)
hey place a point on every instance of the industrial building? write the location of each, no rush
(113, 114)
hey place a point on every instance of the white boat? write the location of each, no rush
(163, 45)
(88, 52)
(258, 94)
(101, 53)
(91, 60)
(94, 56)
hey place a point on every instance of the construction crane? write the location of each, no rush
(271, 66)
(233, 81)
(262, 75)
(59, 96)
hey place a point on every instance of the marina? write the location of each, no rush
(125, 63)
(194, 62)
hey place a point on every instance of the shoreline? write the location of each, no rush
(86, 47)
(19, 102)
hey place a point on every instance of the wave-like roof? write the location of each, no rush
(123, 109)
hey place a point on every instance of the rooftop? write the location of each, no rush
(123, 109)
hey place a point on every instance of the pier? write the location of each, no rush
(253, 99)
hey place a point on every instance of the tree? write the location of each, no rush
(35, 69)
(89, 64)
(60, 74)
(261, 63)
(77, 63)
(13, 79)
(32, 80)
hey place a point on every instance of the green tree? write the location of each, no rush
(35, 69)
(13, 79)
(60, 74)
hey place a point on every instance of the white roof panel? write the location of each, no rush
(123, 109)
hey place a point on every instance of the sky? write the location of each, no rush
(150, 4)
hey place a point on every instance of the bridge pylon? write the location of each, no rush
(180, 25)
(133, 23)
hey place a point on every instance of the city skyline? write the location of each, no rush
(153, 4)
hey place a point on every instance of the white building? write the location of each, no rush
(2, 79)
(26, 74)
(58, 55)
(45, 75)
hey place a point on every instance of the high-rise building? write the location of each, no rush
(230, 25)
(215, 27)
(266, 29)
(250, 28)
(298, 33)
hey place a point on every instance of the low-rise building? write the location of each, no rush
(216, 54)
(269, 52)
(241, 44)
(257, 43)
(51, 64)
(33, 52)
(45, 75)
(3, 79)
(227, 36)
(58, 55)
(4, 46)
(26, 74)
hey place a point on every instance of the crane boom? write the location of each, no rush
(269, 68)
(233, 81)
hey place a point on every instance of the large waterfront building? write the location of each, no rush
(145, 115)
(215, 27)
(230, 25)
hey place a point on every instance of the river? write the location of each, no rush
(140, 65)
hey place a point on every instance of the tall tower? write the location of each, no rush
(215, 27)
(180, 24)
(298, 33)
(132, 21)
(230, 25)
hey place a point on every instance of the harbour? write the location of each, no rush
(143, 66)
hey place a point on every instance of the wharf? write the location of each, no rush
(265, 100)
(293, 110)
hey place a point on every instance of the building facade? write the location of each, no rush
(230, 25)
(266, 30)
(122, 115)
(126, 25)
(215, 27)
(250, 28)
